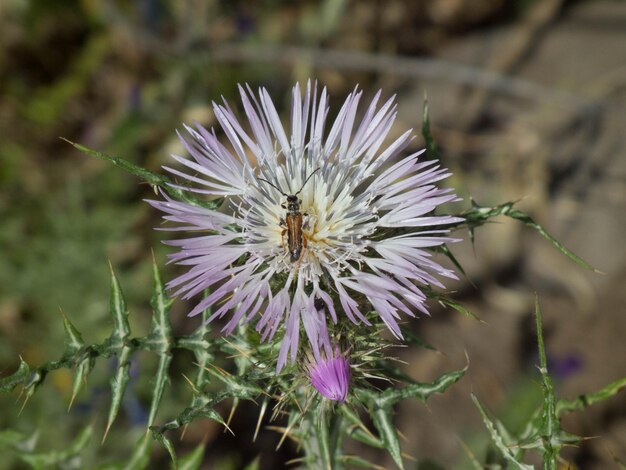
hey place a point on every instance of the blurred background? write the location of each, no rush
(527, 103)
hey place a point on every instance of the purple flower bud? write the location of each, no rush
(331, 377)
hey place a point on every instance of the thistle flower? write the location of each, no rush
(331, 376)
(351, 194)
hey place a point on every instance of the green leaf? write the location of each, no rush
(550, 426)
(446, 251)
(527, 220)
(118, 387)
(159, 338)
(412, 338)
(432, 151)
(140, 458)
(154, 179)
(193, 459)
(583, 401)
(358, 431)
(420, 390)
(12, 438)
(357, 461)
(80, 377)
(478, 215)
(165, 442)
(388, 433)
(322, 436)
(73, 339)
(160, 380)
(58, 458)
(498, 439)
(21, 375)
(201, 407)
(448, 302)
(119, 312)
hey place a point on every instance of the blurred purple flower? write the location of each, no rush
(357, 193)
(565, 366)
(331, 376)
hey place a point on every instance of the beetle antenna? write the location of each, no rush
(305, 181)
(273, 185)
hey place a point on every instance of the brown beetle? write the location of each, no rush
(293, 221)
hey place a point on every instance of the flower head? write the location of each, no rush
(311, 218)
(331, 376)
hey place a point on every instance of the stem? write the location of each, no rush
(321, 438)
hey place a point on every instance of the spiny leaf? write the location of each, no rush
(202, 355)
(583, 401)
(388, 433)
(448, 302)
(498, 440)
(192, 460)
(432, 151)
(159, 338)
(138, 460)
(165, 442)
(478, 215)
(446, 251)
(237, 386)
(380, 405)
(119, 312)
(201, 407)
(527, 220)
(154, 179)
(7, 384)
(358, 430)
(420, 390)
(549, 423)
(357, 461)
(118, 387)
(54, 458)
(80, 377)
(322, 437)
(73, 339)
(412, 338)
(160, 380)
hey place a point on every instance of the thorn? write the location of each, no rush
(191, 384)
(408, 456)
(228, 428)
(286, 432)
(232, 411)
(258, 423)
(296, 460)
(23, 404)
(106, 433)
(236, 347)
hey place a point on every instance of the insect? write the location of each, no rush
(293, 221)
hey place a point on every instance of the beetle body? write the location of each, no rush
(293, 227)
(293, 222)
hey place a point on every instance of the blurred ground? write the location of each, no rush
(121, 78)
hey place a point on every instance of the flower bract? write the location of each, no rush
(331, 376)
